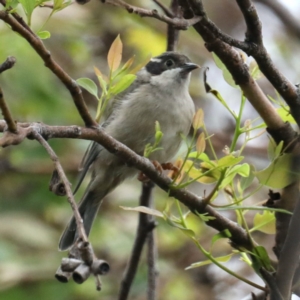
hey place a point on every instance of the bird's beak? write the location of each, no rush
(189, 67)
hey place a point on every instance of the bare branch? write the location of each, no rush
(70, 197)
(179, 23)
(166, 10)
(145, 226)
(39, 47)
(173, 33)
(196, 204)
(254, 30)
(151, 256)
(11, 125)
(8, 64)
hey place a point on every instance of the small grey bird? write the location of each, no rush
(159, 93)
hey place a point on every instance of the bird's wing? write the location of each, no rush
(94, 149)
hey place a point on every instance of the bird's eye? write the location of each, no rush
(169, 63)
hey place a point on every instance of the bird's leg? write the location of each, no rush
(160, 168)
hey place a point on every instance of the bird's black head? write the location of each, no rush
(169, 60)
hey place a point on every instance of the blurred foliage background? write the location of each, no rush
(32, 218)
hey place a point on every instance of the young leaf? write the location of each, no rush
(222, 259)
(43, 35)
(264, 222)
(123, 84)
(200, 144)
(246, 181)
(198, 119)
(225, 234)
(285, 115)
(89, 85)
(145, 210)
(28, 6)
(103, 84)
(114, 56)
(229, 160)
(277, 175)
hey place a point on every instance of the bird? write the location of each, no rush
(160, 93)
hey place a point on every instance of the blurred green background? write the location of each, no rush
(32, 218)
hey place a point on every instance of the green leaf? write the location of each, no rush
(263, 208)
(28, 6)
(264, 222)
(89, 85)
(221, 259)
(225, 234)
(261, 253)
(246, 181)
(123, 84)
(277, 175)
(11, 4)
(178, 224)
(204, 217)
(243, 170)
(226, 74)
(229, 160)
(145, 210)
(43, 35)
(229, 79)
(278, 149)
(103, 84)
(285, 114)
(196, 155)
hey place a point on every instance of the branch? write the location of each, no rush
(11, 125)
(166, 10)
(286, 89)
(145, 226)
(61, 173)
(239, 236)
(39, 47)
(172, 32)
(8, 64)
(290, 252)
(179, 23)
(152, 254)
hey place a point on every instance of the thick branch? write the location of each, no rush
(39, 47)
(193, 202)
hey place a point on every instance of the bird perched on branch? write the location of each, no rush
(159, 93)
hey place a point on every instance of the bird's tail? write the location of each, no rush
(88, 209)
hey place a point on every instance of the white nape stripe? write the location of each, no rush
(155, 60)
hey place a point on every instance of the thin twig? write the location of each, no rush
(11, 125)
(144, 227)
(179, 23)
(70, 197)
(166, 10)
(41, 50)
